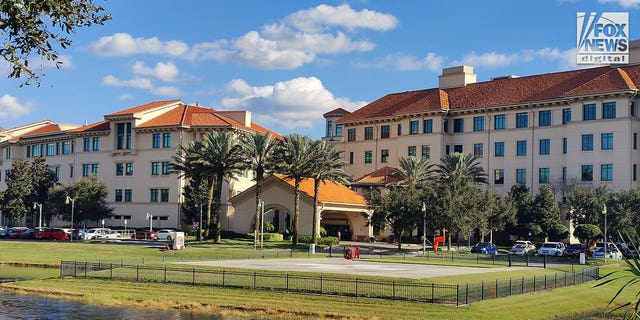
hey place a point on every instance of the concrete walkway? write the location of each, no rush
(357, 267)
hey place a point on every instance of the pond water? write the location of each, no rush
(29, 307)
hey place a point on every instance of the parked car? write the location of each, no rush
(145, 235)
(4, 232)
(574, 250)
(112, 234)
(612, 253)
(522, 247)
(165, 234)
(485, 248)
(551, 249)
(14, 233)
(52, 234)
(96, 233)
(28, 234)
(631, 253)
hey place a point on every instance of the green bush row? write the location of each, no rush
(326, 241)
(267, 236)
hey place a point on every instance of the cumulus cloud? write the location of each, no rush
(164, 71)
(141, 83)
(315, 19)
(10, 108)
(295, 103)
(494, 60)
(123, 44)
(167, 91)
(402, 62)
(623, 3)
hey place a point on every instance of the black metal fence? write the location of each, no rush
(395, 290)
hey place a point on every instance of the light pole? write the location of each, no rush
(150, 218)
(606, 240)
(125, 226)
(199, 237)
(39, 205)
(424, 229)
(73, 207)
(261, 205)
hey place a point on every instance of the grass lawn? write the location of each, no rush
(565, 303)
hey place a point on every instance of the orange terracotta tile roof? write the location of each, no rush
(328, 191)
(336, 112)
(502, 92)
(45, 130)
(144, 107)
(382, 176)
(93, 127)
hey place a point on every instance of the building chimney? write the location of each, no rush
(454, 77)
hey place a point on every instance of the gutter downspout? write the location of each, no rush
(631, 131)
(533, 143)
(446, 112)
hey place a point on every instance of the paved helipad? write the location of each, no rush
(359, 267)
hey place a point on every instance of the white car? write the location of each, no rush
(612, 253)
(522, 248)
(551, 249)
(165, 234)
(96, 233)
(112, 234)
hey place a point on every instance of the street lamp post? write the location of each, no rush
(199, 204)
(39, 205)
(150, 218)
(606, 240)
(261, 204)
(73, 207)
(125, 226)
(424, 229)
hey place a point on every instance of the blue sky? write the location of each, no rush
(288, 62)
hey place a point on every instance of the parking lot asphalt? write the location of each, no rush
(356, 267)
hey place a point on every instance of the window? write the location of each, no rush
(544, 118)
(67, 147)
(457, 148)
(28, 151)
(7, 153)
(384, 155)
(445, 126)
(564, 145)
(458, 125)
(338, 130)
(350, 157)
(606, 172)
(155, 168)
(118, 195)
(119, 169)
(6, 174)
(498, 176)
(124, 169)
(446, 149)
(154, 195)
(94, 169)
(51, 149)
(635, 172)
(85, 170)
(587, 142)
(589, 112)
(545, 146)
(500, 122)
(606, 141)
(411, 151)
(123, 136)
(414, 126)
(164, 195)
(368, 133)
(426, 151)
(127, 195)
(329, 132)
(478, 123)
(385, 131)
(35, 150)
(166, 167)
(587, 172)
(477, 150)
(521, 148)
(128, 168)
(521, 176)
(543, 175)
(155, 140)
(608, 110)
(89, 169)
(368, 157)
(166, 140)
(566, 115)
(399, 129)
(56, 171)
(96, 144)
(522, 120)
(499, 149)
(351, 134)
(70, 170)
(86, 144)
(427, 126)
(564, 174)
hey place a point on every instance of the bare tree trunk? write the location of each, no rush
(207, 230)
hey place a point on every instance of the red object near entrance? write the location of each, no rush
(439, 239)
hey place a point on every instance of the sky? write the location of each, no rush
(289, 62)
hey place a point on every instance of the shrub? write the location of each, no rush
(587, 232)
(326, 241)
(272, 236)
(323, 232)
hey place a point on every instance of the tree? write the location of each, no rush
(587, 232)
(326, 165)
(19, 187)
(587, 203)
(43, 179)
(498, 212)
(195, 196)
(38, 27)
(546, 211)
(295, 163)
(401, 211)
(216, 158)
(258, 149)
(521, 198)
(90, 204)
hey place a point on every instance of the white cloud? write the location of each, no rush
(314, 19)
(494, 60)
(164, 71)
(490, 59)
(168, 91)
(123, 44)
(295, 103)
(623, 3)
(402, 62)
(125, 96)
(136, 82)
(10, 108)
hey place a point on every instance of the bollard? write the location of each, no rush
(509, 260)
(545, 261)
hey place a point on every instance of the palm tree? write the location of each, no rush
(461, 169)
(258, 150)
(415, 172)
(218, 156)
(327, 165)
(295, 163)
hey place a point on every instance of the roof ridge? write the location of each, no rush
(627, 79)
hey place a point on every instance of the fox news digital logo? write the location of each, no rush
(603, 38)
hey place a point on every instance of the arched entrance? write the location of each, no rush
(334, 222)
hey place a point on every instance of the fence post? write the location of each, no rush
(137, 272)
(545, 282)
(482, 294)
(86, 266)
(496, 288)
(534, 283)
(565, 279)
(111, 271)
(527, 259)
(393, 290)
(165, 273)
(433, 292)
(510, 287)
(75, 267)
(254, 280)
(223, 278)
(321, 285)
(457, 294)
(522, 286)
(555, 280)
(356, 287)
(330, 249)
(509, 260)
(493, 257)
(467, 294)
(545, 261)
(287, 282)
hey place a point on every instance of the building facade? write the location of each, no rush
(131, 151)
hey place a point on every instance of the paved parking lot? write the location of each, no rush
(358, 267)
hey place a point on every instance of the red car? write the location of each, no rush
(52, 234)
(14, 233)
(145, 235)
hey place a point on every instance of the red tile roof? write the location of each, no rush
(328, 191)
(336, 112)
(144, 107)
(509, 91)
(93, 127)
(381, 176)
(45, 130)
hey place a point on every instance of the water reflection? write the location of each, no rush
(27, 307)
